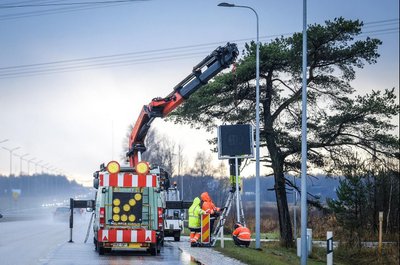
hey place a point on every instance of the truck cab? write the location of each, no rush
(129, 208)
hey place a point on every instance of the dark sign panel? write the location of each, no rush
(235, 141)
(83, 203)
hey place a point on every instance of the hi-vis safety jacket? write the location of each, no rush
(208, 204)
(195, 213)
(242, 233)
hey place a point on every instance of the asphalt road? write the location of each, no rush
(43, 241)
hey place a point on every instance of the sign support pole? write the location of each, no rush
(237, 190)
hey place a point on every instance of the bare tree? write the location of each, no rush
(203, 165)
(160, 150)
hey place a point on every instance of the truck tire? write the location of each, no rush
(100, 249)
(154, 249)
(177, 236)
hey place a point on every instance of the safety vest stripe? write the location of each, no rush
(127, 236)
(127, 180)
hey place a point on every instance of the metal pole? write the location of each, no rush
(380, 233)
(257, 191)
(304, 252)
(29, 163)
(21, 157)
(237, 190)
(257, 137)
(295, 214)
(11, 153)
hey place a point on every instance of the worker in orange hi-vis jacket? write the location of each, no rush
(209, 207)
(241, 235)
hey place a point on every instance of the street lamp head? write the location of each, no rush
(226, 4)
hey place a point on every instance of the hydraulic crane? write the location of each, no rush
(130, 203)
(219, 59)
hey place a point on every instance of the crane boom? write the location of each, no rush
(210, 66)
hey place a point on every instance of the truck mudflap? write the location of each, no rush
(127, 236)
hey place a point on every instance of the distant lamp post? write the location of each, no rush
(29, 163)
(45, 166)
(11, 154)
(37, 164)
(21, 157)
(257, 123)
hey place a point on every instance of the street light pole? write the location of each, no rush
(36, 165)
(11, 154)
(304, 243)
(21, 157)
(29, 163)
(257, 191)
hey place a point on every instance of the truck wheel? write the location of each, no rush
(154, 249)
(99, 249)
(177, 236)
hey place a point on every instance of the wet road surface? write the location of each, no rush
(43, 241)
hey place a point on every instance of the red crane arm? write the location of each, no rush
(219, 59)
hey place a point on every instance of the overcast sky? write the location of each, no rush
(72, 78)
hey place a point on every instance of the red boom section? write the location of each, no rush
(219, 59)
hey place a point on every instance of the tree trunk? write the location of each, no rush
(285, 224)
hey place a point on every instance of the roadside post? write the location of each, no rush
(380, 233)
(329, 248)
(71, 219)
(222, 238)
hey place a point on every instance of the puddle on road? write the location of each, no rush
(186, 258)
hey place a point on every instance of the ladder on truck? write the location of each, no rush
(225, 212)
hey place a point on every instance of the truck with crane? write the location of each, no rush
(131, 202)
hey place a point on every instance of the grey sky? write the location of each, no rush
(76, 120)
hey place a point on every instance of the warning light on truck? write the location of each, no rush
(142, 168)
(113, 167)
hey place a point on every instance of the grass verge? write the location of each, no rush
(271, 254)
